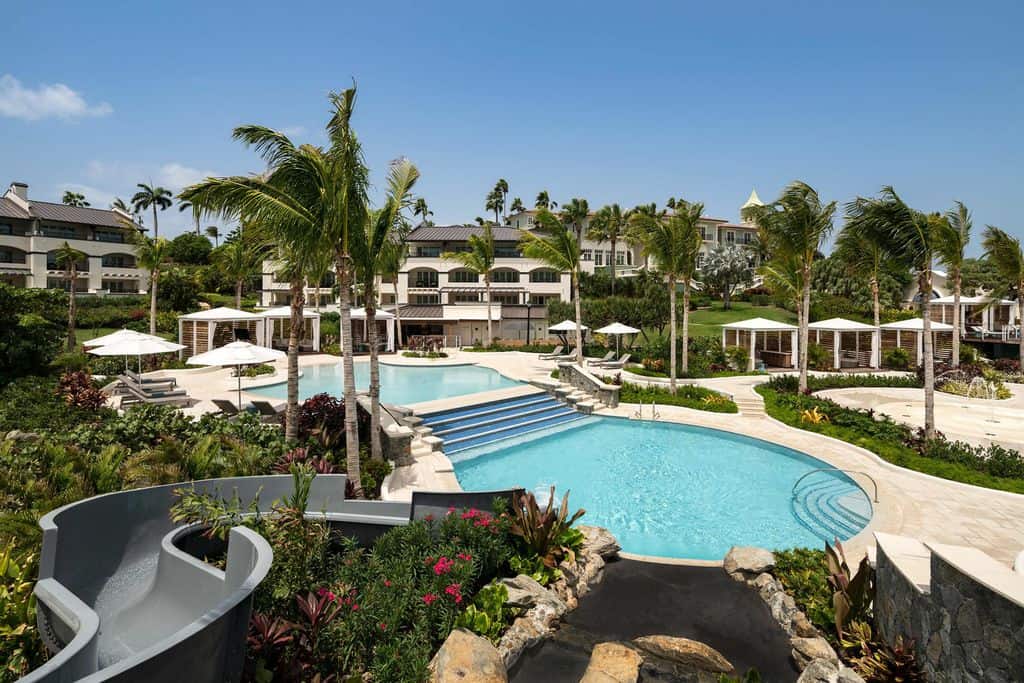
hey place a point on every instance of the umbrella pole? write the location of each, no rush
(238, 372)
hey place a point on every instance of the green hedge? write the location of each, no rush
(686, 396)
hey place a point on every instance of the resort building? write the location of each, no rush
(31, 233)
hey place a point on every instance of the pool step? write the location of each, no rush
(828, 507)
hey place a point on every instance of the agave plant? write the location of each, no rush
(852, 593)
(544, 531)
(19, 642)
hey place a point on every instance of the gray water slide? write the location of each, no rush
(119, 600)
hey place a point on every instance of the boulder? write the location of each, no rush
(806, 650)
(691, 654)
(802, 626)
(599, 541)
(612, 663)
(524, 591)
(523, 634)
(848, 675)
(783, 608)
(820, 671)
(749, 560)
(467, 658)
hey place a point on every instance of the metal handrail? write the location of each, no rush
(835, 469)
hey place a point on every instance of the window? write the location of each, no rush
(505, 276)
(118, 261)
(6, 229)
(543, 299)
(423, 278)
(428, 251)
(730, 237)
(464, 298)
(587, 255)
(387, 298)
(51, 263)
(60, 231)
(620, 258)
(505, 298)
(426, 299)
(747, 238)
(114, 236)
(463, 276)
(700, 261)
(545, 276)
(529, 220)
(506, 252)
(629, 257)
(706, 232)
(121, 286)
(598, 258)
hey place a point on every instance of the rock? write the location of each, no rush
(782, 607)
(467, 658)
(848, 675)
(765, 584)
(523, 634)
(748, 560)
(806, 650)
(692, 654)
(802, 626)
(524, 591)
(612, 663)
(599, 541)
(820, 671)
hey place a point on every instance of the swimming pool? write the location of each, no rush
(673, 490)
(401, 384)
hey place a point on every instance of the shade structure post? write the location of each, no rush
(920, 347)
(753, 350)
(794, 351)
(724, 345)
(876, 335)
(181, 335)
(391, 334)
(837, 341)
(316, 333)
(211, 327)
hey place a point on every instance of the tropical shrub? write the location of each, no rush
(818, 357)
(258, 370)
(852, 593)
(79, 391)
(32, 329)
(898, 358)
(737, 357)
(686, 396)
(802, 572)
(876, 661)
(20, 647)
(487, 615)
(546, 532)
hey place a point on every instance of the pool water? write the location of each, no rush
(403, 384)
(674, 490)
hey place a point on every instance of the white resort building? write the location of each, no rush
(31, 232)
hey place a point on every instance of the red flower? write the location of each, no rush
(355, 607)
(465, 557)
(429, 518)
(443, 566)
(451, 509)
(470, 513)
(387, 583)
(429, 599)
(382, 626)
(454, 590)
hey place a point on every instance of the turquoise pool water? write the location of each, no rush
(398, 384)
(674, 490)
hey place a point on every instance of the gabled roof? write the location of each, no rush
(9, 209)
(759, 325)
(841, 325)
(286, 312)
(221, 313)
(461, 233)
(916, 324)
(752, 200)
(50, 211)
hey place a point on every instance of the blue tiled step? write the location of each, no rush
(512, 430)
(445, 417)
(472, 426)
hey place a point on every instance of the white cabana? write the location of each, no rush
(617, 329)
(979, 315)
(204, 331)
(381, 316)
(237, 354)
(278, 326)
(853, 344)
(909, 335)
(773, 342)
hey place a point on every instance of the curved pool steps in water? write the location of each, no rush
(829, 509)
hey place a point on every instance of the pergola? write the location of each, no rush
(853, 344)
(204, 331)
(909, 335)
(278, 327)
(773, 342)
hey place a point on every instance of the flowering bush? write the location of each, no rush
(78, 390)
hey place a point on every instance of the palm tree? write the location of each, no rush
(496, 203)
(501, 187)
(674, 243)
(609, 225)
(419, 208)
(862, 254)
(952, 243)
(912, 236)
(152, 253)
(240, 260)
(74, 199)
(795, 226)
(517, 206)
(480, 260)
(638, 217)
(150, 197)
(213, 232)
(554, 244)
(543, 201)
(185, 206)
(320, 264)
(120, 205)
(370, 252)
(68, 258)
(1006, 253)
(392, 261)
(574, 215)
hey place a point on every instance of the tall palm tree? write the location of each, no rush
(674, 243)
(320, 264)
(501, 188)
(392, 260)
(952, 243)
(152, 197)
(1006, 253)
(609, 225)
(574, 215)
(543, 201)
(480, 260)
(152, 253)
(912, 236)
(370, 252)
(213, 232)
(68, 258)
(74, 199)
(640, 216)
(120, 205)
(496, 203)
(186, 206)
(420, 208)
(795, 226)
(862, 254)
(240, 260)
(517, 206)
(553, 243)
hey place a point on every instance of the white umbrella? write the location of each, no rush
(237, 354)
(617, 329)
(566, 326)
(141, 345)
(115, 337)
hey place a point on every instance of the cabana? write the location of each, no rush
(204, 331)
(909, 335)
(773, 342)
(851, 343)
(278, 328)
(979, 315)
(384, 319)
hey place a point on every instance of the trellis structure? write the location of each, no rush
(770, 341)
(909, 336)
(852, 344)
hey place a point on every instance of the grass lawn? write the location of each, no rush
(709, 321)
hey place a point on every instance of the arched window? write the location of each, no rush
(545, 275)
(505, 275)
(463, 275)
(423, 278)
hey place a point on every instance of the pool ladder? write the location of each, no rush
(835, 469)
(639, 412)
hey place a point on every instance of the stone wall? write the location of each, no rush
(587, 382)
(963, 630)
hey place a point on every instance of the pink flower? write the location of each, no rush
(451, 509)
(429, 599)
(355, 607)
(443, 566)
(387, 583)
(455, 591)
(465, 557)
(429, 518)
(470, 513)
(382, 626)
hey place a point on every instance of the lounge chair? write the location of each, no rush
(227, 408)
(616, 364)
(555, 353)
(608, 357)
(268, 413)
(139, 394)
(151, 380)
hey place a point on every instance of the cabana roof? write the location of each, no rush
(841, 325)
(286, 312)
(360, 313)
(222, 313)
(916, 324)
(971, 300)
(759, 325)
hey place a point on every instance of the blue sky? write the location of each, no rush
(626, 103)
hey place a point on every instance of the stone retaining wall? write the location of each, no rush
(585, 381)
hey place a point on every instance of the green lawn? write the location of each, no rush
(709, 321)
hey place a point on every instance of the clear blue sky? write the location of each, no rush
(627, 103)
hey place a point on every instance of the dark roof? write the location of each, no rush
(460, 233)
(49, 211)
(421, 312)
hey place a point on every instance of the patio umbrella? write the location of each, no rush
(237, 354)
(565, 327)
(617, 329)
(115, 337)
(143, 345)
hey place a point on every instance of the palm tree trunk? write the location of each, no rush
(579, 322)
(398, 317)
(804, 322)
(956, 319)
(72, 275)
(238, 295)
(487, 286)
(686, 327)
(291, 423)
(197, 226)
(1020, 319)
(613, 266)
(154, 277)
(371, 327)
(156, 226)
(875, 301)
(672, 333)
(925, 288)
(344, 276)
